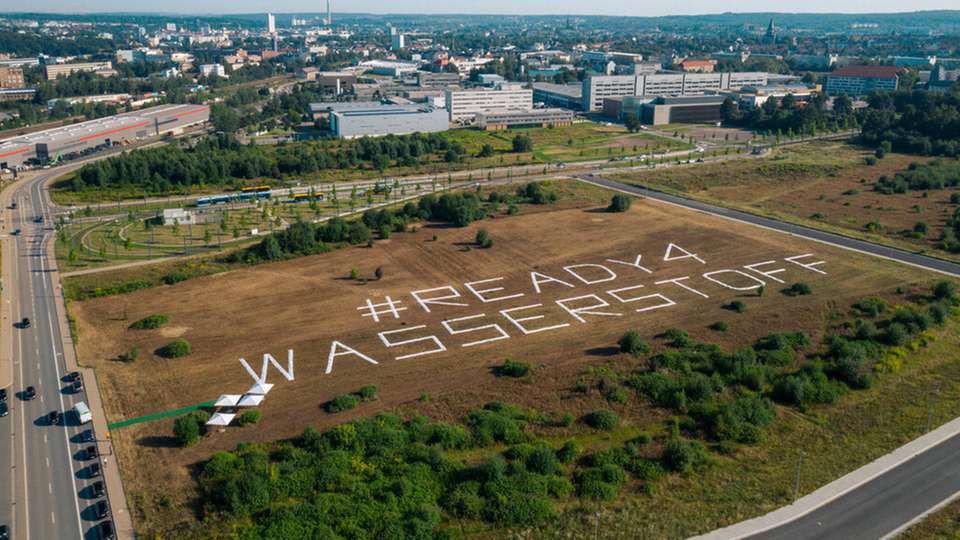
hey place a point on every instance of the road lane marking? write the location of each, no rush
(50, 487)
(48, 462)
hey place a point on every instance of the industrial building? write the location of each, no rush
(597, 88)
(55, 71)
(506, 119)
(861, 80)
(430, 79)
(86, 137)
(464, 105)
(377, 119)
(567, 96)
(389, 68)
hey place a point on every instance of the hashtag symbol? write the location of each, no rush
(385, 308)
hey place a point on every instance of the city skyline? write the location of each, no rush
(534, 7)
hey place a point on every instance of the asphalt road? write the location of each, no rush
(48, 497)
(884, 504)
(915, 259)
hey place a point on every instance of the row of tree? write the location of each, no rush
(917, 122)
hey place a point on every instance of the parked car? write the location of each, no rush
(94, 470)
(106, 530)
(90, 452)
(4, 410)
(25, 323)
(86, 435)
(76, 386)
(101, 509)
(16, 232)
(54, 418)
(98, 490)
(29, 393)
(3, 394)
(72, 376)
(4, 532)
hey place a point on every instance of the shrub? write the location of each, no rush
(946, 290)
(631, 342)
(677, 338)
(602, 419)
(251, 416)
(367, 393)
(150, 322)
(682, 455)
(542, 460)
(483, 238)
(496, 422)
(798, 289)
(600, 483)
(174, 278)
(130, 356)
(175, 349)
(871, 307)
(188, 428)
(568, 452)
(870, 160)
(617, 395)
(720, 326)
(736, 306)
(512, 368)
(619, 203)
(342, 403)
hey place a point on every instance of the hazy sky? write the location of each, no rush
(560, 7)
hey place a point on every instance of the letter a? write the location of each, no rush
(669, 256)
(546, 279)
(346, 350)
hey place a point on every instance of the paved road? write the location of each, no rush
(884, 504)
(45, 499)
(914, 259)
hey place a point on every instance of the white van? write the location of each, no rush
(83, 412)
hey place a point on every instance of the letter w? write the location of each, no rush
(267, 360)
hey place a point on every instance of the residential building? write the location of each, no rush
(698, 66)
(512, 118)
(11, 77)
(54, 71)
(857, 80)
(377, 119)
(464, 105)
(208, 70)
(17, 94)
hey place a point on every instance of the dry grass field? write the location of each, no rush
(823, 184)
(307, 304)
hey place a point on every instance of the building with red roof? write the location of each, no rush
(862, 80)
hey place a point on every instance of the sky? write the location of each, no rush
(553, 7)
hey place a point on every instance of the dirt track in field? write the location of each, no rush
(307, 303)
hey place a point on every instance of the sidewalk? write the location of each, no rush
(6, 289)
(837, 488)
(122, 521)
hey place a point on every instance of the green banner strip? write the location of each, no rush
(158, 416)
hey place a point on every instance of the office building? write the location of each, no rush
(379, 119)
(464, 105)
(208, 70)
(11, 77)
(682, 110)
(390, 68)
(597, 88)
(397, 39)
(515, 118)
(75, 140)
(861, 80)
(567, 96)
(428, 79)
(17, 94)
(54, 71)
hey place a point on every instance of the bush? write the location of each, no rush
(720, 326)
(871, 307)
(736, 306)
(251, 416)
(188, 428)
(367, 393)
(482, 238)
(130, 356)
(602, 419)
(522, 143)
(682, 455)
(512, 368)
(632, 342)
(568, 452)
(174, 278)
(617, 395)
(496, 422)
(175, 349)
(542, 460)
(150, 322)
(870, 160)
(342, 403)
(600, 483)
(798, 289)
(619, 203)
(946, 290)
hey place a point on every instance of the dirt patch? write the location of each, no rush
(173, 331)
(307, 304)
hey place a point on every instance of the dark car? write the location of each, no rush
(38, 219)
(106, 530)
(101, 509)
(25, 323)
(3, 394)
(4, 532)
(94, 470)
(90, 452)
(16, 232)
(72, 376)
(76, 386)
(4, 410)
(29, 393)
(98, 489)
(86, 435)
(54, 418)
(13, 205)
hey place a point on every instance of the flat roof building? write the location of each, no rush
(376, 119)
(861, 80)
(506, 119)
(55, 71)
(596, 88)
(568, 96)
(464, 105)
(681, 110)
(428, 79)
